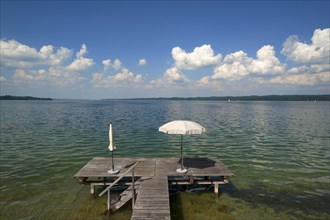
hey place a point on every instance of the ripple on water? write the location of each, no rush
(279, 152)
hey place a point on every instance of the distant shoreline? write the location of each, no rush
(243, 98)
(209, 98)
(9, 97)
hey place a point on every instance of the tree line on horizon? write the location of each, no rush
(9, 97)
(209, 98)
(249, 98)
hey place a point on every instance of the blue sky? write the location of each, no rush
(128, 49)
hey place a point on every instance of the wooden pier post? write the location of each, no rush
(108, 201)
(92, 189)
(226, 179)
(216, 188)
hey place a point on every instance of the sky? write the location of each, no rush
(134, 49)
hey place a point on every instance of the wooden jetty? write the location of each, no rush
(148, 180)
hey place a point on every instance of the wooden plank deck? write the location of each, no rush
(153, 198)
(149, 167)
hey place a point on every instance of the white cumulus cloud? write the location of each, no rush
(123, 77)
(16, 55)
(142, 62)
(126, 75)
(314, 68)
(234, 66)
(207, 82)
(304, 75)
(302, 79)
(238, 65)
(12, 49)
(81, 63)
(318, 51)
(82, 51)
(201, 57)
(45, 66)
(172, 76)
(266, 62)
(54, 75)
(117, 65)
(106, 64)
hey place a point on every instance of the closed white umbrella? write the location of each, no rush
(112, 147)
(182, 127)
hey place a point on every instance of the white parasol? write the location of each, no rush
(112, 147)
(182, 127)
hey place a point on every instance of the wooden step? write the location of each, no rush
(126, 195)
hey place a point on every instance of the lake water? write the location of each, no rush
(279, 152)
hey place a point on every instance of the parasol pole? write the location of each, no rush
(181, 153)
(113, 148)
(113, 167)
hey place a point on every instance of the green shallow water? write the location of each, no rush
(279, 152)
